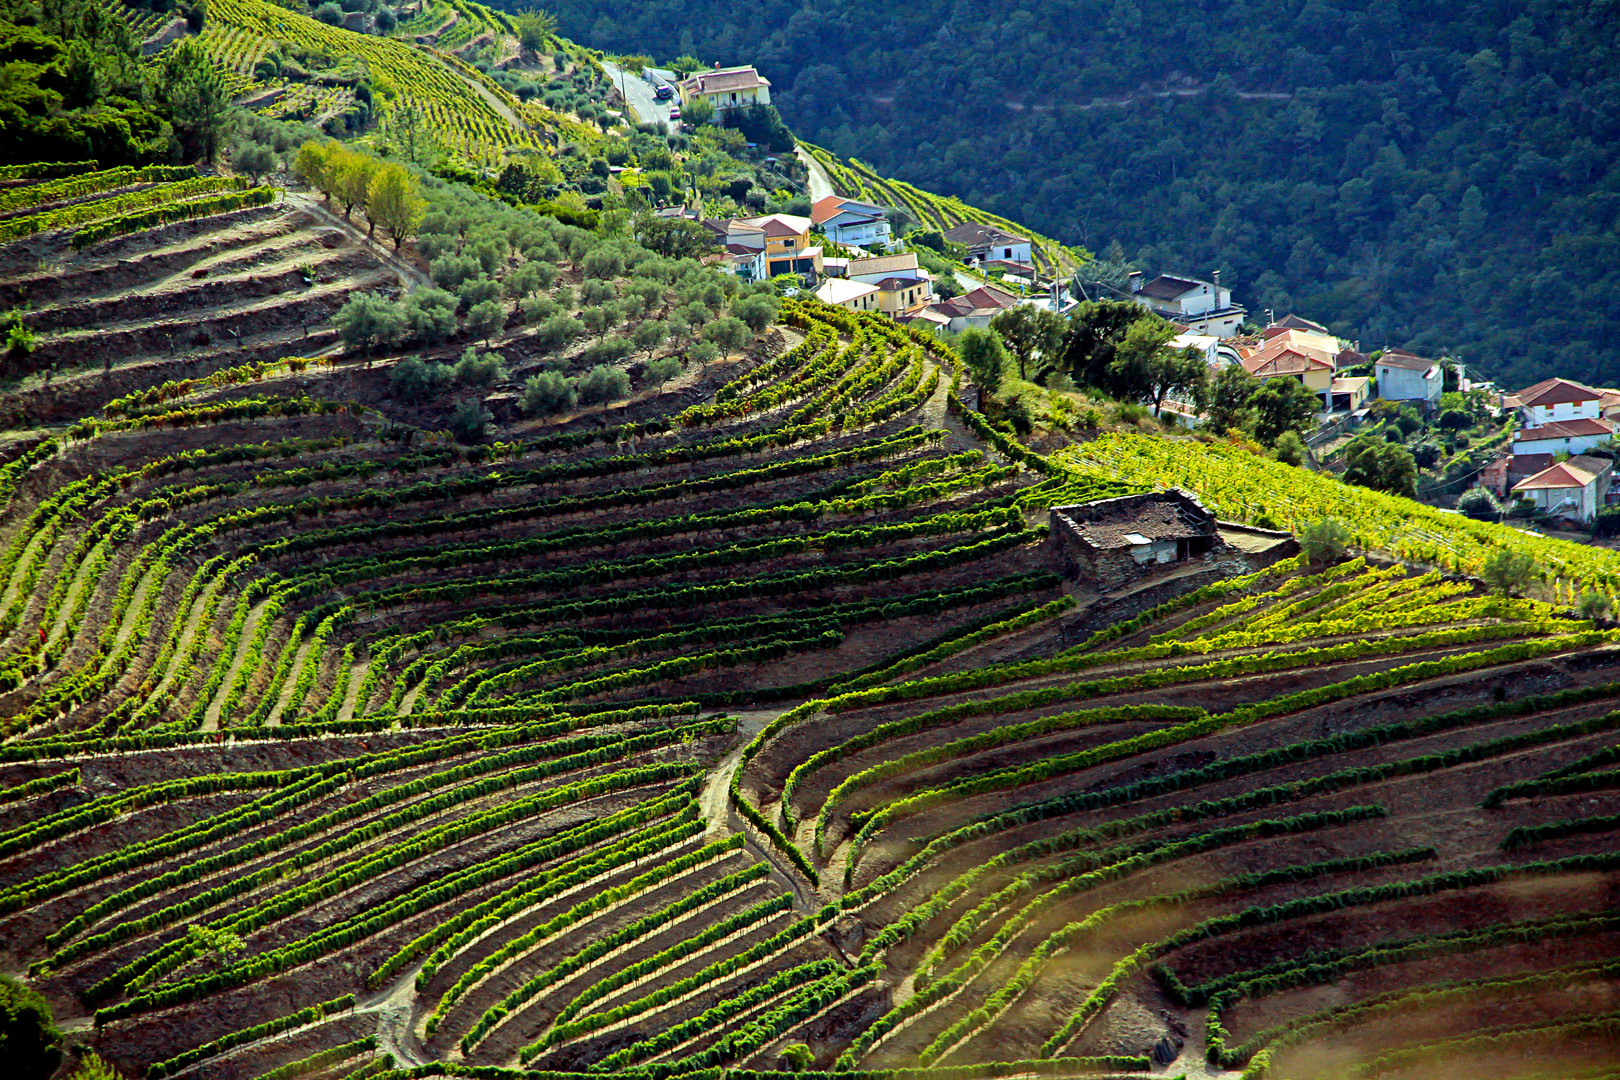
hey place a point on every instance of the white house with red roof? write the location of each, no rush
(1576, 488)
(1563, 436)
(1552, 400)
(852, 222)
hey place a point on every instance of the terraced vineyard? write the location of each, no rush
(754, 727)
(858, 180)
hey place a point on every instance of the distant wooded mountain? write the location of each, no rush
(1431, 173)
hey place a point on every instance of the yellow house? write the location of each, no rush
(726, 88)
(787, 244)
(1292, 354)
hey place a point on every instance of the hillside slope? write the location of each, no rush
(1435, 175)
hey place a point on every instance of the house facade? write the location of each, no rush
(787, 243)
(1404, 376)
(852, 222)
(1576, 488)
(988, 244)
(1295, 354)
(854, 295)
(1554, 400)
(1563, 437)
(1201, 306)
(726, 89)
(975, 308)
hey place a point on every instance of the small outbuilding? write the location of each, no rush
(1116, 541)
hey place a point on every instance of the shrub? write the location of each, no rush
(486, 318)
(1592, 605)
(1324, 541)
(480, 369)
(469, 420)
(430, 315)
(660, 372)
(609, 350)
(728, 334)
(602, 263)
(1509, 571)
(546, 393)
(31, 1039)
(758, 311)
(330, 14)
(702, 353)
(557, 331)
(368, 322)
(1480, 504)
(449, 271)
(478, 290)
(413, 380)
(603, 384)
(1291, 449)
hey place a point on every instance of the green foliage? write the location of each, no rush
(469, 419)
(1509, 572)
(602, 384)
(1477, 502)
(28, 1036)
(1282, 404)
(414, 381)
(1380, 465)
(1290, 449)
(984, 357)
(1324, 541)
(368, 322)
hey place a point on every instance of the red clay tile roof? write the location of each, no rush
(1555, 392)
(1564, 429)
(1574, 473)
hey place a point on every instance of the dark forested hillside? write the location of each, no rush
(1427, 172)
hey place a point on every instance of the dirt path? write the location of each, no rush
(392, 1008)
(820, 183)
(409, 274)
(238, 658)
(291, 682)
(715, 803)
(351, 694)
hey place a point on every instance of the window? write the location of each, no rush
(1008, 256)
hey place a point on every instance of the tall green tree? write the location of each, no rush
(984, 356)
(1029, 332)
(1283, 404)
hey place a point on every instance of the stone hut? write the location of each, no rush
(1117, 541)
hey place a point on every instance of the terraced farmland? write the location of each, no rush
(751, 726)
(858, 180)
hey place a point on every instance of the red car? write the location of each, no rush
(675, 113)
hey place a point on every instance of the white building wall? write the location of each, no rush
(1573, 445)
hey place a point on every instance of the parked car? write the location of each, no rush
(675, 113)
(664, 91)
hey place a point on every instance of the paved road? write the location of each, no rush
(820, 183)
(638, 92)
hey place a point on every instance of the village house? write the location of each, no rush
(1114, 542)
(726, 89)
(1296, 354)
(974, 308)
(1202, 306)
(1563, 437)
(1507, 469)
(788, 249)
(852, 223)
(1574, 489)
(988, 246)
(854, 295)
(1404, 376)
(1552, 400)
